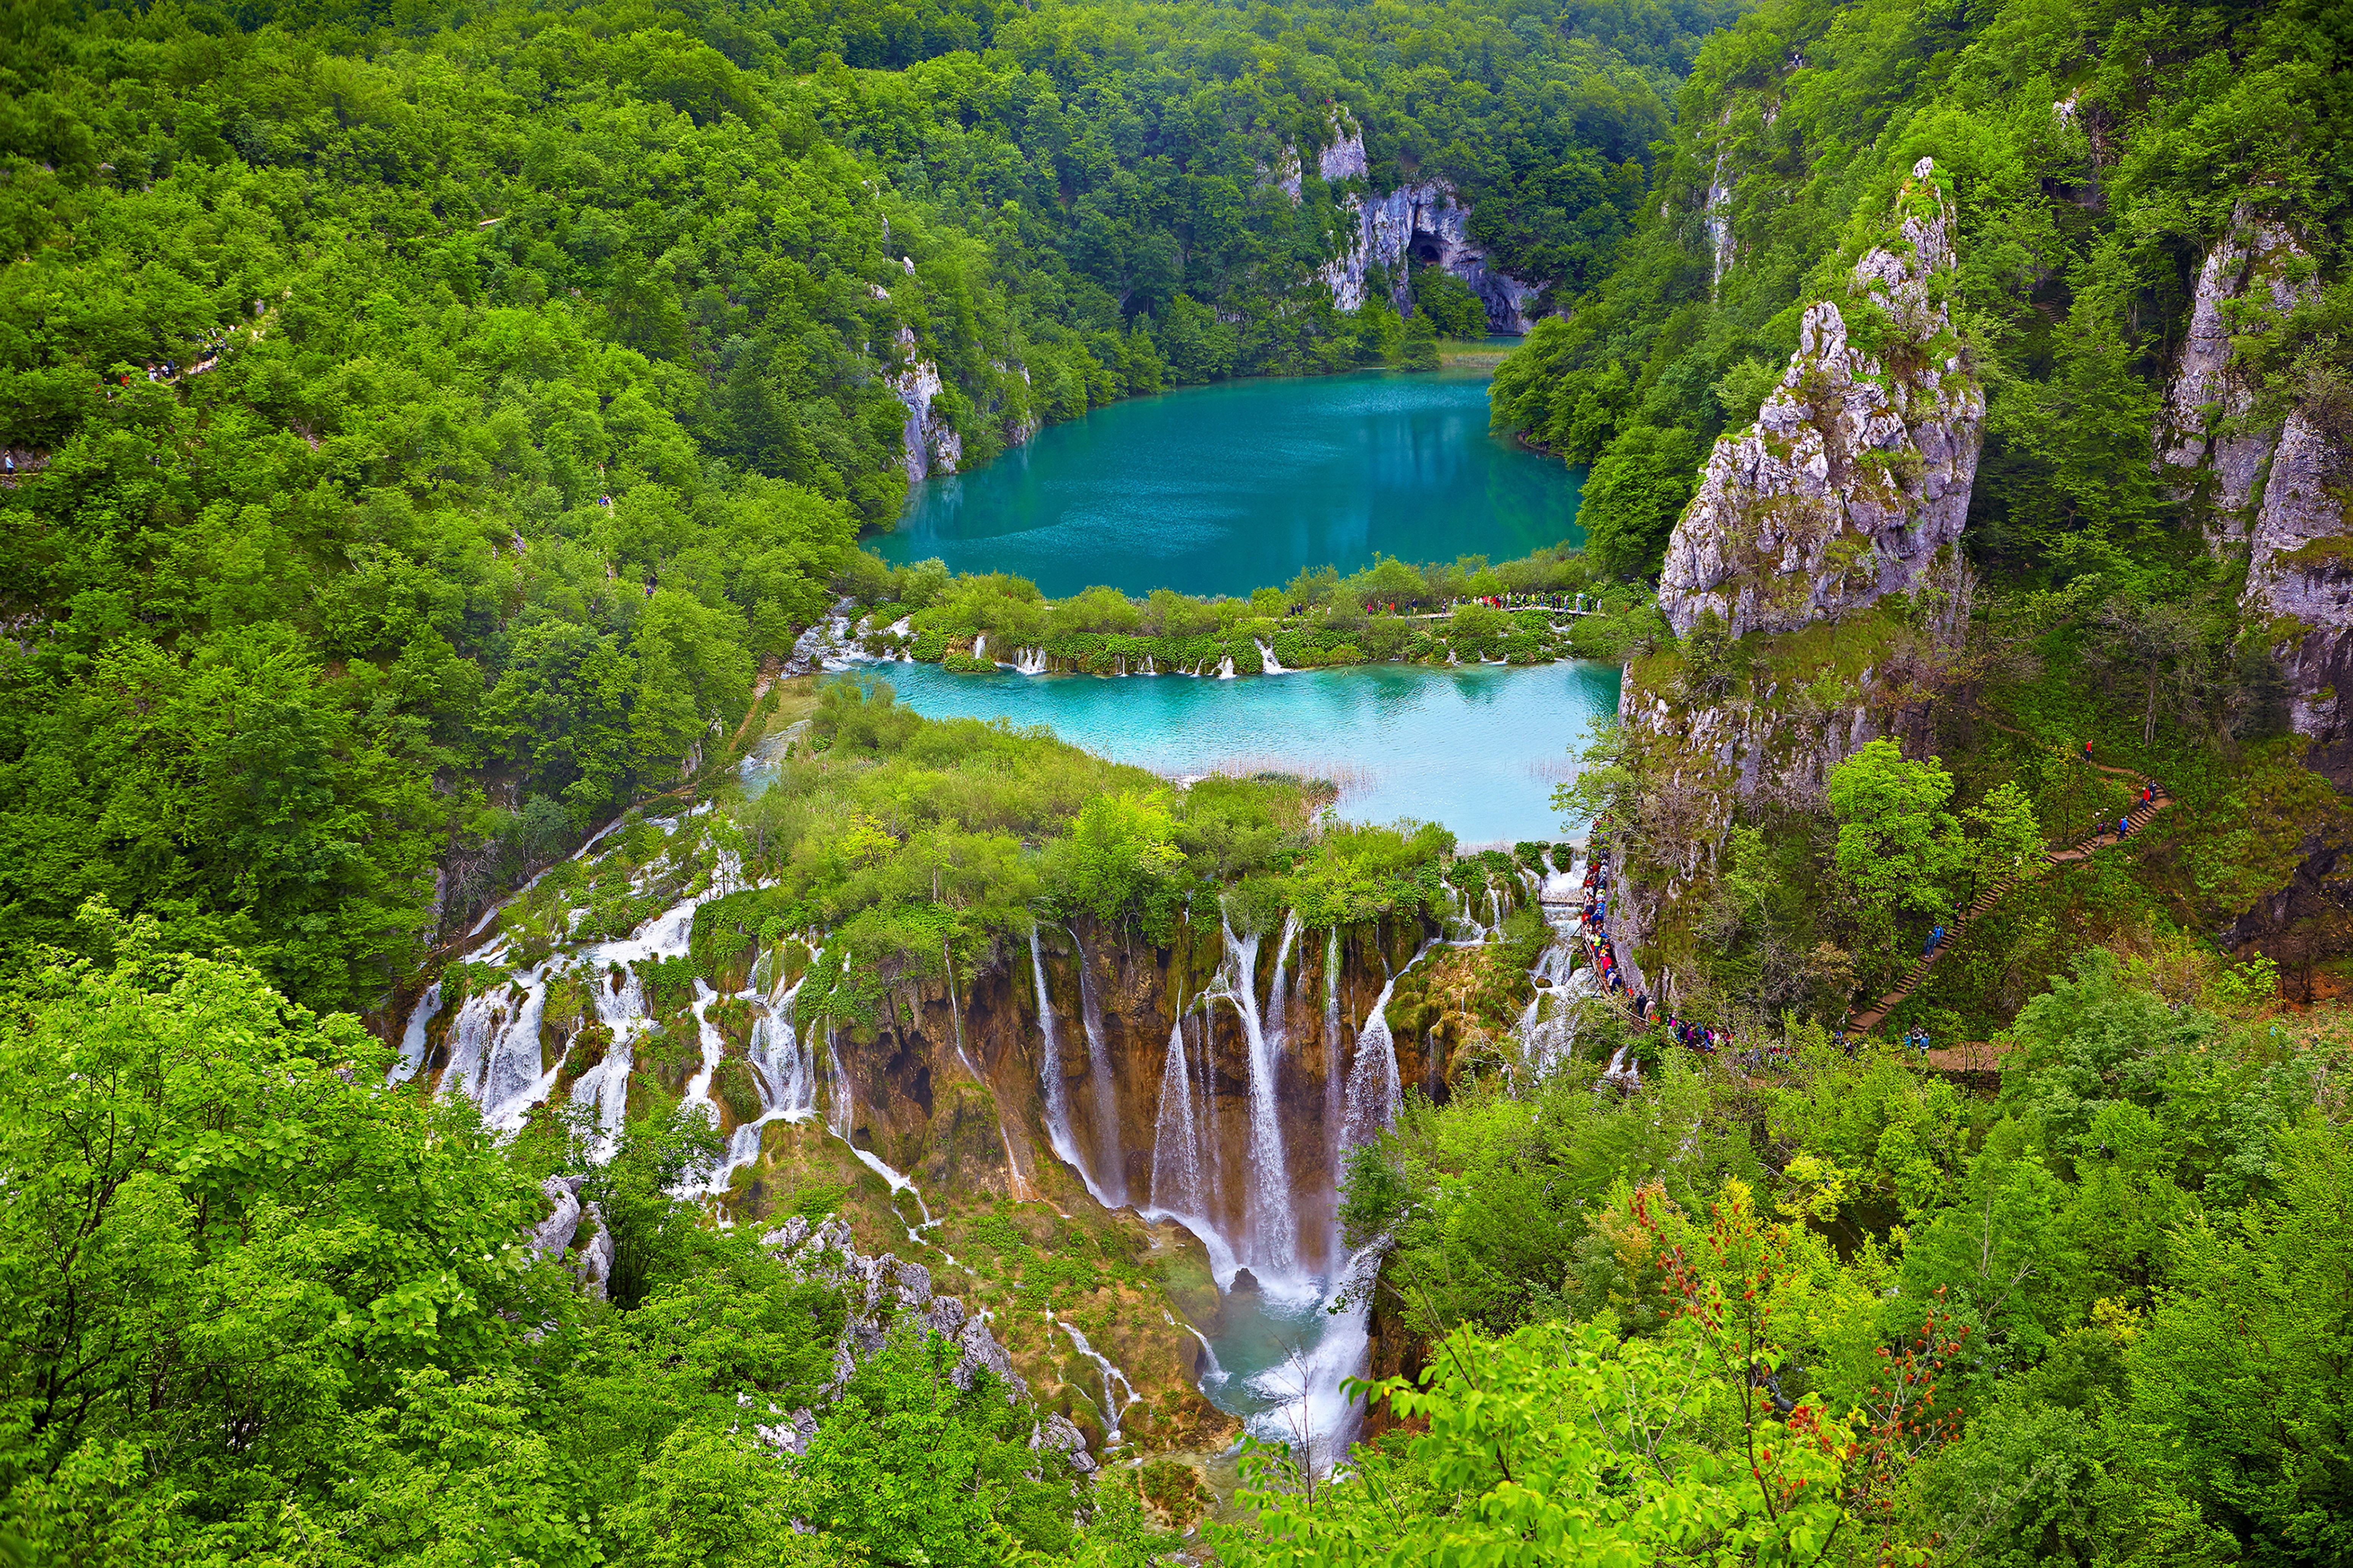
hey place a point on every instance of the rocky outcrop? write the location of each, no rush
(2299, 592)
(1425, 223)
(882, 1295)
(2215, 462)
(555, 1235)
(883, 1292)
(1857, 469)
(2281, 492)
(2278, 490)
(929, 443)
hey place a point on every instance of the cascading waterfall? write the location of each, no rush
(1099, 1078)
(1050, 1073)
(1334, 1109)
(1188, 1181)
(1115, 1382)
(413, 1041)
(1266, 658)
(714, 1051)
(1376, 1087)
(786, 1071)
(1269, 1236)
(1178, 1188)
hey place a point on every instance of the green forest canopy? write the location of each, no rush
(521, 377)
(2093, 154)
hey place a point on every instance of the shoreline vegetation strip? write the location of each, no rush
(1539, 608)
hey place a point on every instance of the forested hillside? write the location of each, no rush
(2082, 476)
(424, 424)
(2093, 155)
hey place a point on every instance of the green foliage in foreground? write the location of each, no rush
(263, 1308)
(2104, 1318)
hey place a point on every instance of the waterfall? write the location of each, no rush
(1226, 667)
(714, 1051)
(1547, 1028)
(787, 1079)
(1269, 1229)
(1266, 656)
(1050, 1073)
(1177, 1184)
(980, 645)
(1376, 1087)
(494, 1055)
(1186, 1181)
(1099, 1077)
(1147, 666)
(1334, 1109)
(412, 1040)
(1029, 660)
(842, 1114)
(1115, 1382)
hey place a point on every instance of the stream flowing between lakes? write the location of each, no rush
(1227, 1104)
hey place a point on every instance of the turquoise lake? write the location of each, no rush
(1477, 748)
(1224, 489)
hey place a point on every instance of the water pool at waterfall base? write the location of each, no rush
(1284, 1352)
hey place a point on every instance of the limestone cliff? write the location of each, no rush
(929, 444)
(1426, 222)
(1857, 469)
(2279, 490)
(2203, 439)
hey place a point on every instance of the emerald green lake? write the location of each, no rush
(1224, 489)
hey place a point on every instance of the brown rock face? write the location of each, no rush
(1253, 1160)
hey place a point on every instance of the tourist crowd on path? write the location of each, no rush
(1594, 918)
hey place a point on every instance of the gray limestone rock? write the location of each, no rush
(1857, 469)
(2300, 582)
(881, 1292)
(551, 1238)
(1059, 1432)
(930, 444)
(1428, 221)
(2255, 256)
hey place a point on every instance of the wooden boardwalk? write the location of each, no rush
(1876, 1013)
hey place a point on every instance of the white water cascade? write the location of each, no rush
(1186, 1179)
(1119, 1395)
(1335, 1108)
(1266, 656)
(1099, 1078)
(1376, 1087)
(1050, 1075)
(786, 1069)
(1271, 1233)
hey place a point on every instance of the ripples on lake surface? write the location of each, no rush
(1224, 489)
